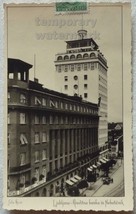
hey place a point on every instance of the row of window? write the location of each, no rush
(75, 86)
(75, 77)
(24, 141)
(38, 156)
(76, 67)
(38, 119)
(78, 56)
(53, 119)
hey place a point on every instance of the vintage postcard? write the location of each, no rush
(68, 133)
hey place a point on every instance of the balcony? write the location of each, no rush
(16, 170)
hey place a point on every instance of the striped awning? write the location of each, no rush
(73, 180)
(98, 164)
(69, 182)
(77, 177)
(103, 161)
(94, 166)
(89, 169)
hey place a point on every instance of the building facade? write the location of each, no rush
(82, 70)
(52, 137)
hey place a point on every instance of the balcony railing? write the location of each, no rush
(20, 168)
(26, 189)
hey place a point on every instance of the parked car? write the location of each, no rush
(107, 180)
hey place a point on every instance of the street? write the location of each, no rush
(113, 189)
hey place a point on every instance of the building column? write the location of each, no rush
(72, 143)
(53, 150)
(68, 142)
(58, 149)
(63, 142)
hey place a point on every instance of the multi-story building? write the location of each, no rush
(82, 70)
(52, 137)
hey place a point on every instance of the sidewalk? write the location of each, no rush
(93, 188)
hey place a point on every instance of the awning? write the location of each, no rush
(69, 182)
(23, 139)
(98, 163)
(103, 161)
(94, 166)
(89, 169)
(73, 180)
(77, 177)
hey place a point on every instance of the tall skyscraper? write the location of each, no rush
(82, 70)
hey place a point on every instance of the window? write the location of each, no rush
(43, 101)
(36, 156)
(79, 56)
(78, 67)
(66, 57)
(85, 95)
(66, 68)
(44, 171)
(85, 66)
(36, 174)
(9, 96)
(19, 76)
(92, 66)
(36, 119)
(66, 106)
(59, 68)
(75, 86)
(65, 78)
(92, 55)
(66, 120)
(8, 118)
(85, 86)
(59, 58)
(22, 179)
(85, 55)
(22, 98)
(8, 138)
(44, 137)
(22, 118)
(23, 140)
(11, 76)
(61, 105)
(61, 120)
(22, 158)
(44, 155)
(51, 119)
(72, 57)
(56, 120)
(72, 67)
(75, 77)
(65, 87)
(85, 77)
(37, 101)
(44, 120)
(37, 137)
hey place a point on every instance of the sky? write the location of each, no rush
(39, 31)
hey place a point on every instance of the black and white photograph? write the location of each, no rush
(69, 105)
